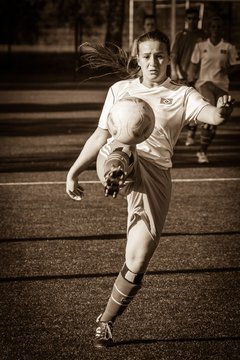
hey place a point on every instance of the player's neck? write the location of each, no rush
(215, 40)
(151, 83)
(192, 29)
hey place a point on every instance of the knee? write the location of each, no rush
(138, 261)
(137, 264)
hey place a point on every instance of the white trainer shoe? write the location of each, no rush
(202, 157)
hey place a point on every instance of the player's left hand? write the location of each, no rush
(225, 104)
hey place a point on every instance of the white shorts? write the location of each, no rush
(149, 194)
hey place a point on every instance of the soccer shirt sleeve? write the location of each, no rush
(193, 104)
(233, 56)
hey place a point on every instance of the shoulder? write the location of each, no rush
(176, 86)
(181, 88)
(227, 44)
(202, 43)
(180, 34)
(173, 83)
(122, 85)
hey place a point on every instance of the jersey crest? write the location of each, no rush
(166, 101)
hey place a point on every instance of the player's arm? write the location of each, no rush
(215, 115)
(233, 62)
(195, 63)
(87, 156)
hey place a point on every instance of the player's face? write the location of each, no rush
(192, 21)
(149, 25)
(153, 59)
(216, 29)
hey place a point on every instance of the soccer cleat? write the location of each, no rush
(117, 168)
(190, 138)
(103, 337)
(202, 157)
(114, 180)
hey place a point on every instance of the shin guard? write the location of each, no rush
(124, 290)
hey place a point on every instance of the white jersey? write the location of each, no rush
(214, 60)
(174, 107)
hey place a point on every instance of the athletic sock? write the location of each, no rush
(124, 290)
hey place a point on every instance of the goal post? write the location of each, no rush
(172, 5)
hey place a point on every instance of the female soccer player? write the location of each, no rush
(147, 164)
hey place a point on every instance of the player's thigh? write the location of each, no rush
(148, 206)
(140, 247)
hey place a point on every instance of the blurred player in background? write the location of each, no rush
(181, 53)
(147, 164)
(212, 60)
(149, 24)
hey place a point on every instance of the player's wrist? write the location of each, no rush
(72, 176)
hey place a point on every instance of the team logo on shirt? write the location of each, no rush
(166, 101)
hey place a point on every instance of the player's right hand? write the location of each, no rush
(225, 104)
(74, 190)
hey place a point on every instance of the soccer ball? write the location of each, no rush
(131, 120)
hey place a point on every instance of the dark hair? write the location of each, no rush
(113, 59)
(149, 16)
(154, 35)
(192, 10)
(215, 18)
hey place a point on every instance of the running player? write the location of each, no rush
(212, 59)
(146, 165)
(181, 52)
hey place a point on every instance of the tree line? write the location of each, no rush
(21, 21)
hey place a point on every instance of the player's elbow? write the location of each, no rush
(210, 115)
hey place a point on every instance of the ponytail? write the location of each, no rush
(110, 59)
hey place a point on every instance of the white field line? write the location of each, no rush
(28, 183)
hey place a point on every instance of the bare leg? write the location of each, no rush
(140, 247)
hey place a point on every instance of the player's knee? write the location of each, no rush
(138, 263)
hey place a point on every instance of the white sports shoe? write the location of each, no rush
(190, 138)
(202, 157)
